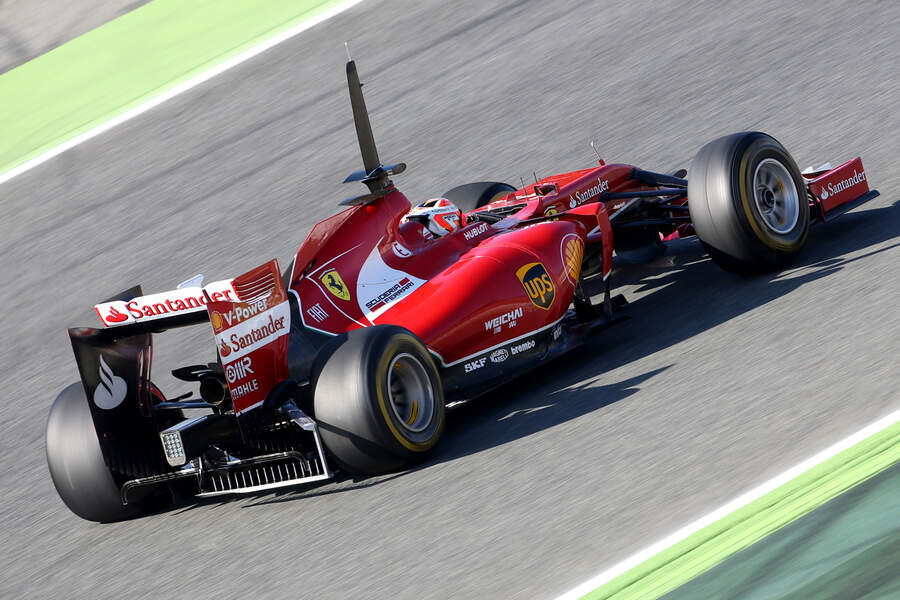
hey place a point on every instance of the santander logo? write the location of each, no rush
(111, 390)
(115, 316)
(224, 349)
(165, 304)
(832, 188)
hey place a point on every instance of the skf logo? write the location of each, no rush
(572, 251)
(475, 364)
(333, 282)
(537, 284)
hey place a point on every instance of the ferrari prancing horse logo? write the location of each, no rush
(333, 282)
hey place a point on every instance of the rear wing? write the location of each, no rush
(165, 310)
(250, 317)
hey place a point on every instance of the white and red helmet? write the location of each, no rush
(438, 215)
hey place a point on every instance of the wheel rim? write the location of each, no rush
(410, 393)
(776, 196)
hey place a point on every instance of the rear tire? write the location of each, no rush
(748, 203)
(378, 401)
(470, 196)
(79, 473)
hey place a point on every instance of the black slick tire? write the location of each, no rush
(378, 401)
(79, 473)
(748, 203)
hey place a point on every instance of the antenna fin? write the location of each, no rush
(361, 120)
(594, 148)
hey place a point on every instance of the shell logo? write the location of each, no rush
(572, 253)
(216, 319)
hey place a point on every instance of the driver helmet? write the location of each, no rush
(438, 215)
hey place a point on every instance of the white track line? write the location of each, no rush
(721, 512)
(178, 89)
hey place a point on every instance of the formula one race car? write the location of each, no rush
(350, 357)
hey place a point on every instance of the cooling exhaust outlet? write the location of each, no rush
(213, 390)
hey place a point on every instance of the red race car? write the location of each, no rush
(389, 313)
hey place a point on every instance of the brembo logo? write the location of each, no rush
(537, 284)
(523, 347)
(111, 390)
(831, 189)
(591, 192)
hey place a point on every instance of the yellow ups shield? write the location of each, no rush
(538, 284)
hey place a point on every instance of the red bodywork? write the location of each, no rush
(487, 292)
(464, 293)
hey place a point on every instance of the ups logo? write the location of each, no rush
(537, 284)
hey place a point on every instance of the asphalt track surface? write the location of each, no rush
(714, 386)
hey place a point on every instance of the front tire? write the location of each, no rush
(748, 203)
(79, 473)
(378, 401)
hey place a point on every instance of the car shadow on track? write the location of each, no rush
(674, 298)
(482, 424)
(678, 296)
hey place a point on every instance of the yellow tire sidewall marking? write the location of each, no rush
(761, 235)
(381, 384)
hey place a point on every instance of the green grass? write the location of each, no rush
(709, 546)
(113, 68)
